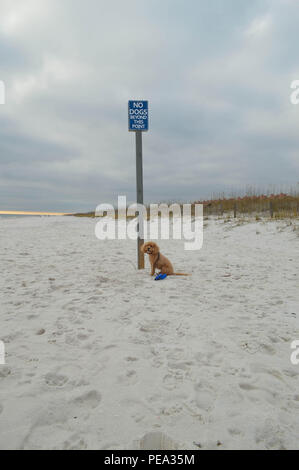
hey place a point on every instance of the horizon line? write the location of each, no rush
(33, 213)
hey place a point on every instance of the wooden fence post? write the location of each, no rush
(271, 209)
(221, 209)
(235, 210)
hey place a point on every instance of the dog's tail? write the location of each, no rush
(180, 274)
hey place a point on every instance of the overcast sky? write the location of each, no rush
(217, 75)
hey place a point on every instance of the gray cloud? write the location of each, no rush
(216, 74)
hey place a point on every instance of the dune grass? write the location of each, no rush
(273, 205)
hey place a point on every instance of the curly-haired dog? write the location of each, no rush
(158, 260)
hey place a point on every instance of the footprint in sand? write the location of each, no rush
(74, 443)
(247, 387)
(173, 379)
(129, 378)
(155, 441)
(235, 432)
(268, 349)
(290, 373)
(131, 359)
(175, 354)
(55, 380)
(89, 399)
(271, 436)
(4, 372)
(204, 396)
(183, 365)
(255, 394)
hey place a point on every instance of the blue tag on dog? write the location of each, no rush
(160, 277)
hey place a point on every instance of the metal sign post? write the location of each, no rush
(138, 123)
(139, 188)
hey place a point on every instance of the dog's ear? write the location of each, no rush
(156, 249)
(142, 248)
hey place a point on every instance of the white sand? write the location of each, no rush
(204, 359)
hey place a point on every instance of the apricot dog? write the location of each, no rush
(159, 261)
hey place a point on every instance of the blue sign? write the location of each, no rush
(138, 115)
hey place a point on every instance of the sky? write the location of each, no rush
(217, 75)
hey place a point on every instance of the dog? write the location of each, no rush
(159, 261)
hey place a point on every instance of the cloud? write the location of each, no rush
(217, 76)
(259, 26)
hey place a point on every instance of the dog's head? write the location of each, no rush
(150, 248)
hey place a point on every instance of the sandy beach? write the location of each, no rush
(99, 355)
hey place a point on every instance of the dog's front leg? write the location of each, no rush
(153, 269)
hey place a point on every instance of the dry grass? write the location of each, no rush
(279, 206)
(274, 205)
